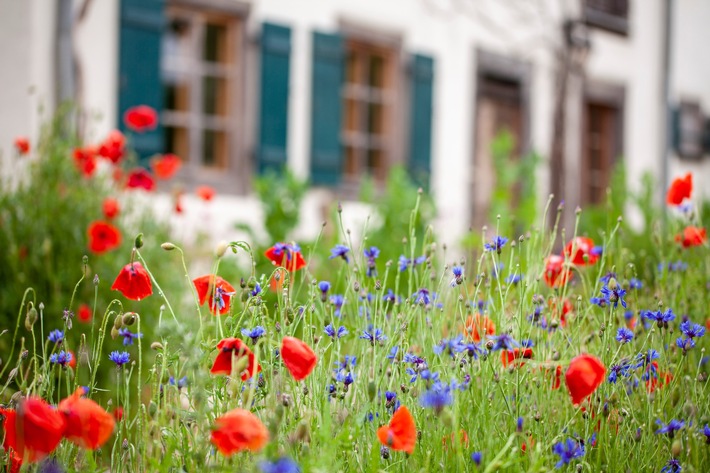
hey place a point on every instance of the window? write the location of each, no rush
(200, 68)
(367, 108)
(610, 15)
(689, 128)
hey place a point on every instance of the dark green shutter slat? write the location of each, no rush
(326, 110)
(273, 119)
(422, 79)
(142, 24)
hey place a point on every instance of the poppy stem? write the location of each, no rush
(160, 290)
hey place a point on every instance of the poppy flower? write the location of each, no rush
(117, 413)
(103, 237)
(165, 166)
(692, 236)
(401, 433)
(581, 246)
(298, 357)
(216, 291)
(177, 196)
(463, 439)
(141, 118)
(477, 327)
(205, 193)
(556, 375)
(84, 313)
(680, 189)
(34, 430)
(561, 315)
(556, 275)
(287, 255)
(88, 424)
(134, 282)
(22, 145)
(235, 348)
(583, 377)
(239, 430)
(509, 356)
(656, 379)
(139, 178)
(111, 208)
(85, 160)
(112, 147)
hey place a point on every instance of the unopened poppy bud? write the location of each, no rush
(676, 448)
(41, 306)
(114, 333)
(118, 321)
(356, 286)
(167, 246)
(96, 279)
(138, 243)
(251, 284)
(221, 249)
(157, 346)
(30, 318)
(11, 375)
(129, 318)
(85, 260)
(371, 390)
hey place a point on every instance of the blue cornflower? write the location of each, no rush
(56, 336)
(527, 343)
(671, 428)
(337, 300)
(624, 335)
(458, 276)
(403, 263)
(218, 297)
(282, 465)
(371, 254)
(422, 297)
(119, 357)
(418, 260)
(635, 284)
(349, 362)
(645, 359)
(596, 251)
(623, 369)
(333, 333)
(661, 318)
(673, 466)
(568, 451)
(256, 291)
(340, 251)
(429, 376)
(496, 244)
(607, 277)
(255, 334)
(324, 286)
(601, 302)
(373, 336)
(477, 457)
(63, 358)
(614, 295)
(389, 296)
(513, 279)
(706, 433)
(180, 383)
(692, 330)
(685, 343)
(128, 336)
(437, 397)
(346, 378)
(288, 248)
(392, 355)
(412, 358)
(519, 425)
(451, 347)
(503, 341)
(474, 350)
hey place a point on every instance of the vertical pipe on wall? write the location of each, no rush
(665, 102)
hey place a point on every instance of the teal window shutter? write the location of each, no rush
(139, 82)
(326, 111)
(422, 80)
(273, 121)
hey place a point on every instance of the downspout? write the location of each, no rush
(665, 102)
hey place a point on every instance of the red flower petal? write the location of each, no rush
(239, 430)
(401, 433)
(88, 424)
(476, 327)
(509, 356)
(556, 275)
(141, 118)
(692, 236)
(166, 166)
(134, 282)
(84, 314)
(581, 246)
(298, 357)
(583, 377)
(285, 255)
(205, 193)
(38, 429)
(680, 189)
(111, 208)
(22, 145)
(234, 347)
(112, 146)
(103, 237)
(139, 178)
(216, 291)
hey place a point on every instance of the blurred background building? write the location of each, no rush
(340, 89)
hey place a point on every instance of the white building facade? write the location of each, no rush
(336, 90)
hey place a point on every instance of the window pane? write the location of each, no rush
(351, 162)
(177, 141)
(214, 149)
(375, 121)
(353, 68)
(351, 115)
(214, 96)
(376, 72)
(215, 46)
(177, 94)
(375, 164)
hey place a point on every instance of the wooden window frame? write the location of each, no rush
(691, 128)
(605, 20)
(231, 173)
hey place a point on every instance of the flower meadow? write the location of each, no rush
(535, 352)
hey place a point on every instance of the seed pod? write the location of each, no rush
(129, 318)
(167, 246)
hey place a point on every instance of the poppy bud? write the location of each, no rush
(157, 346)
(118, 321)
(371, 390)
(221, 249)
(676, 448)
(138, 243)
(167, 246)
(24, 354)
(85, 260)
(11, 375)
(129, 318)
(30, 319)
(114, 333)
(356, 286)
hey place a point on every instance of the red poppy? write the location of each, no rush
(287, 255)
(9, 443)
(692, 236)
(463, 439)
(117, 413)
(556, 375)
(22, 145)
(141, 118)
(233, 349)
(84, 313)
(216, 291)
(165, 166)
(298, 357)
(656, 379)
(583, 377)
(205, 193)
(139, 178)
(401, 433)
(680, 189)
(111, 208)
(112, 147)
(566, 309)
(581, 246)
(556, 275)
(477, 327)
(88, 424)
(72, 361)
(239, 430)
(85, 160)
(34, 430)
(178, 203)
(134, 282)
(103, 237)
(509, 356)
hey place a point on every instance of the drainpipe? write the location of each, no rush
(666, 142)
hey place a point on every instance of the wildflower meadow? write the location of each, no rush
(546, 349)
